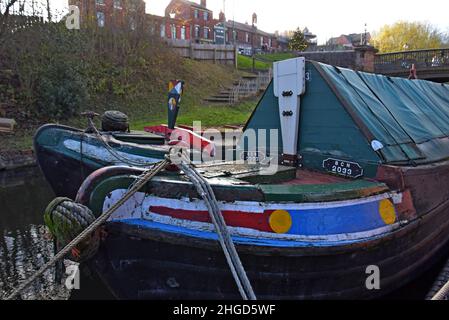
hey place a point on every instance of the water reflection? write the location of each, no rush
(24, 243)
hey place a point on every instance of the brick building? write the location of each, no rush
(183, 20)
(349, 41)
(188, 20)
(248, 37)
(121, 14)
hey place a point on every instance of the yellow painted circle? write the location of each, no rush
(281, 221)
(387, 212)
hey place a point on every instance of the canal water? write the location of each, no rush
(25, 245)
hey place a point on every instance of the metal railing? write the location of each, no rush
(398, 62)
(247, 88)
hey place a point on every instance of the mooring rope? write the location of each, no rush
(158, 167)
(440, 291)
(232, 257)
(443, 293)
(205, 191)
(112, 151)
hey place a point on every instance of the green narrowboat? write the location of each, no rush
(347, 180)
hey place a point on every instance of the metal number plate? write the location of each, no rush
(343, 168)
(253, 156)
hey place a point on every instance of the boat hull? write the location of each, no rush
(67, 156)
(140, 263)
(165, 248)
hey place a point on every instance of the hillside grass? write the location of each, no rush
(274, 57)
(246, 63)
(210, 116)
(110, 72)
(263, 61)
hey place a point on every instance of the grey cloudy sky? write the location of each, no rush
(326, 18)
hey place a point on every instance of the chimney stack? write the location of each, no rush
(204, 3)
(222, 17)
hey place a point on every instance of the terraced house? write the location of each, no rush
(183, 20)
(119, 14)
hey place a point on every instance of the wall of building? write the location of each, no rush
(182, 21)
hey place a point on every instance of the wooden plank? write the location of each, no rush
(7, 125)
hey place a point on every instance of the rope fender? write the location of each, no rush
(66, 219)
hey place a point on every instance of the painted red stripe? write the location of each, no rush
(241, 219)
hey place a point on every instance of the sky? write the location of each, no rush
(325, 18)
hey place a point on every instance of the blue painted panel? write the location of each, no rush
(212, 236)
(332, 221)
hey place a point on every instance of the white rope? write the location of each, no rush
(232, 257)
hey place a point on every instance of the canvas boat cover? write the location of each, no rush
(409, 117)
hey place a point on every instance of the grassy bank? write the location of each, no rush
(246, 63)
(263, 61)
(99, 71)
(210, 116)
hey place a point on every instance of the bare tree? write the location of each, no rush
(4, 16)
(48, 11)
(9, 4)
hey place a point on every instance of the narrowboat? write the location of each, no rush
(354, 181)
(67, 155)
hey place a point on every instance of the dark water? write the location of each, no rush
(25, 245)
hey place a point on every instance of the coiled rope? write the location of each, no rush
(150, 174)
(205, 191)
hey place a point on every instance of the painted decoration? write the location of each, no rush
(175, 91)
(350, 219)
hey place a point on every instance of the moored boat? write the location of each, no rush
(68, 155)
(361, 186)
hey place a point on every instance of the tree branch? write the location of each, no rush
(8, 8)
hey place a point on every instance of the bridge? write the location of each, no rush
(430, 64)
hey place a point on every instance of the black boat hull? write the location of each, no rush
(139, 264)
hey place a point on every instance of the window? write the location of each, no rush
(236, 35)
(206, 15)
(270, 42)
(99, 2)
(173, 31)
(197, 31)
(261, 41)
(196, 14)
(206, 33)
(117, 4)
(162, 30)
(183, 32)
(100, 19)
(247, 37)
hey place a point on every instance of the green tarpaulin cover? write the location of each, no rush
(409, 117)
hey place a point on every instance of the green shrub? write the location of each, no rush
(61, 92)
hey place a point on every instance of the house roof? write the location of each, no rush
(353, 38)
(192, 4)
(246, 27)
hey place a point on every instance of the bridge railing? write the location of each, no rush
(400, 62)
